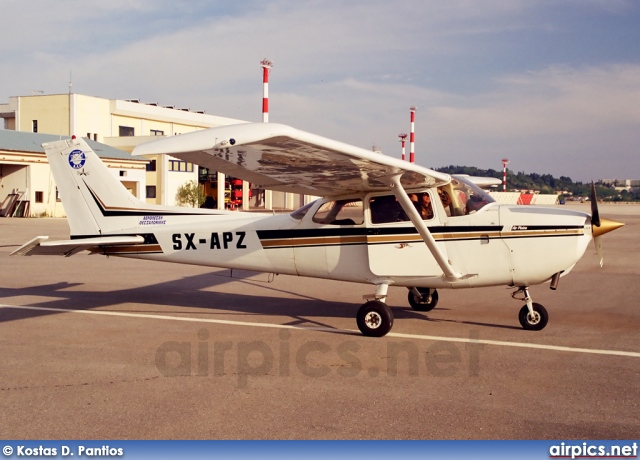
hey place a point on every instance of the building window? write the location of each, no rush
(35, 126)
(123, 173)
(95, 137)
(58, 195)
(157, 132)
(39, 197)
(181, 166)
(151, 166)
(151, 191)
(126, 131)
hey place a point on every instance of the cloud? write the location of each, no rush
(556, 116)
(489, 78)
(556, 100)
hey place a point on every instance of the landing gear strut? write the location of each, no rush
(532, 316)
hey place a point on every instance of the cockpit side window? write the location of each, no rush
(340, 212)
(465, 197)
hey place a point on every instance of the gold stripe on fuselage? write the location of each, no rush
(547, 232)
(408, 238)
(314, 241)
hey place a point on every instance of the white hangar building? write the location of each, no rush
(121, 125)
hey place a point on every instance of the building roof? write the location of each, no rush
(20, 141)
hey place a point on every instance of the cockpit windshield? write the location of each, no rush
(464, 196)
(299, 213)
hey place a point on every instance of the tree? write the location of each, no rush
(190, 194)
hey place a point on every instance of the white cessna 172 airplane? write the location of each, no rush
(373, 225)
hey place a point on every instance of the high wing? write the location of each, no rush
(40, 246)
(279, 157)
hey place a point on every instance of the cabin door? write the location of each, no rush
(394, 245)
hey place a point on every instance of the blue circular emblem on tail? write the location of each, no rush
(77, 159)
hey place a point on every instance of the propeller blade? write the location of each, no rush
(595, 215)
(606, 226)
(598, 242)
(599, 226)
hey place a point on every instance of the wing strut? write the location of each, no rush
(423, 230)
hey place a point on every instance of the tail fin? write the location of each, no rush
(89, 191)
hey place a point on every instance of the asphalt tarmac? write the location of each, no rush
(110, 348)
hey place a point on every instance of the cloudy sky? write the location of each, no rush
(554, 85)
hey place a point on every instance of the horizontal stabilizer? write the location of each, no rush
(40, 246)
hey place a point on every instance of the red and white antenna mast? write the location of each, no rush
(402, 137)
(266, 68)
(505, 162)
(412, 136)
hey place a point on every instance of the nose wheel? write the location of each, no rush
(533, 321)
(532, 316)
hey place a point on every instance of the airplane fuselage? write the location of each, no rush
(383, 222)
(497, 245)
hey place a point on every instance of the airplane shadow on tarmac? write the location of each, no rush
(193, 292)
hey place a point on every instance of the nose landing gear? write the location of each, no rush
(532, 316)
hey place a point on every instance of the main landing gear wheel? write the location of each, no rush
(426, 302)
(374, 319)
(536, 321)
